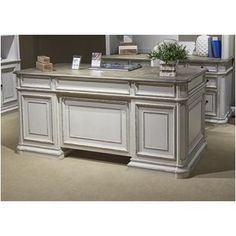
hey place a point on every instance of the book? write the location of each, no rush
(126, 44)
(128, 52)
(44, 66)
(210, 53)
(216, 48)
(43, 59)
(128, 49)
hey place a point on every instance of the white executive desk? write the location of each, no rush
(157, 121)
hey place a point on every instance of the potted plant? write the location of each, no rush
(169, 54)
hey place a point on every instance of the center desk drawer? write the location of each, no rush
(155, 89)
(91, 85)
(36, 82)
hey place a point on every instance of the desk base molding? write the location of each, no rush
(44, 151)
(178, 171)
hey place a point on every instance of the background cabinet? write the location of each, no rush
(10, 62)
(218, 89)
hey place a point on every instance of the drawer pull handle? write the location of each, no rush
(206, 101)
(1, 85)
(207, 80)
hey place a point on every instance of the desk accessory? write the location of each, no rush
(202, 45)
(76, 62)
(216, 47)
(43, 63)
(96, 59)
(169, 54)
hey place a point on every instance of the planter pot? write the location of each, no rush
(168, 70)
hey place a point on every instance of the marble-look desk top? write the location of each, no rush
(146, 73)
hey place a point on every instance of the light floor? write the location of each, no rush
(93, 176)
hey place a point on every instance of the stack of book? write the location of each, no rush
(128, 48)
(43, 63)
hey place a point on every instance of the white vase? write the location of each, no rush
(155, 63)
(202, 45)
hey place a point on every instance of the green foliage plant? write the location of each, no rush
(169, 53)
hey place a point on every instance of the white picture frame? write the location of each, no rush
(76, 62)
(96, 59)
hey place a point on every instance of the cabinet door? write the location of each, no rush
(95, 123)
(37, 119)
(8, 86)
(210, 101)
(155, 129)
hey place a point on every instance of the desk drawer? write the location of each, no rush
(211, 82)
(157, 90)
(93, 86)
(209, 67)
(36, 82)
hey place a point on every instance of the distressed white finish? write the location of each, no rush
(34, 82)
(91, 85)
(165, 90)
(10, 62)
(8, 86)
(211, 103)
(39, 123)
(95, 123)
(194, 83)
(155, 130)
(38, 127)
(218, 96)
(159, 123)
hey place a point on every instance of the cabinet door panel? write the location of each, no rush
(95, 123)
(210, 103)
(8, 86)
(37, 119)
(155, 131)
(196, 124)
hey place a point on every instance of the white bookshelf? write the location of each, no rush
(147, 42)
(10, 62)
